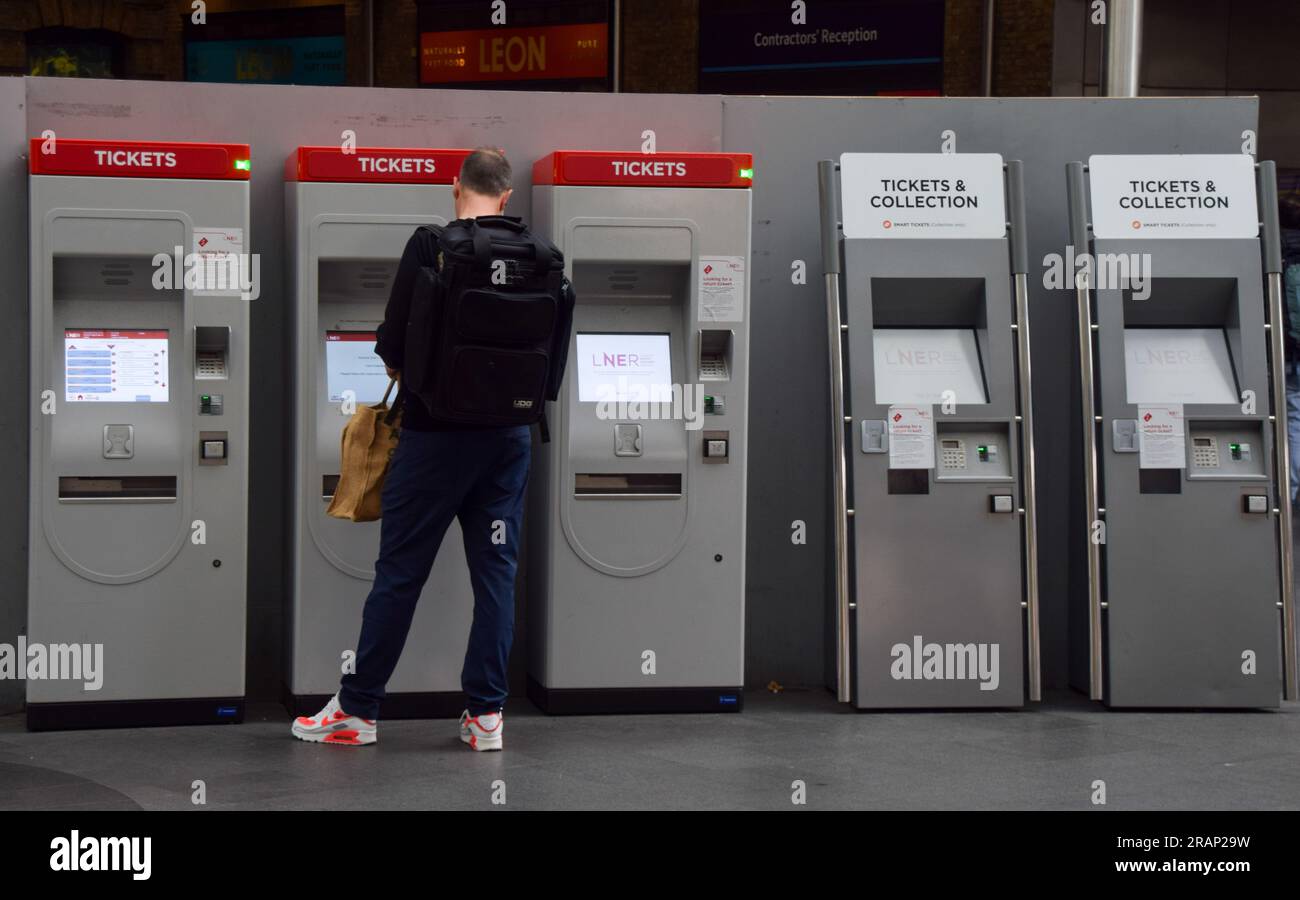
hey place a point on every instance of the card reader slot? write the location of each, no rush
(124, 488)
(642, 485)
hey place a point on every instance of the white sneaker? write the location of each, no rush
(333, 726)
(482, 732)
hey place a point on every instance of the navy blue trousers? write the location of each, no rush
(479, 478)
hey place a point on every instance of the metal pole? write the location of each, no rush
(986, 70)
(370, 43)
(1267, 174)
(1031, 500)
(1123, 48)
(1078, 197)
(1020, 270)
(830, 224)
(1283, 476)
(617, 40)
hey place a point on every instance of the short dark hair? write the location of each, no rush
(486, 171)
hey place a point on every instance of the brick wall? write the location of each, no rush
(660, 47)
(963, 34)
(152, 33)
(397, 44)
(1022, 49)
(1022, 54)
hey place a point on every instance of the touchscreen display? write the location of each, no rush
(624, 368)
(919, 365)
(115, 365)
(351, 364)
(1178, 365)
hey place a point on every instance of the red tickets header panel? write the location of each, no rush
(592, 167)
(139, 159)
(392, 165)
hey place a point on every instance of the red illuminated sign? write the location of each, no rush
(139, 159)
(515, 54)
(593, 167)
(397, 165)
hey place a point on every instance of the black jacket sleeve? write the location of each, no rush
(421, 250)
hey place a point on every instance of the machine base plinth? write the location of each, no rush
(595, 701)
(135, 713)
(414, 705)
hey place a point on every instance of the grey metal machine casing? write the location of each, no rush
(616, 576)
(115, 556)
(346, 240)
(1187, 578)
(931, 561)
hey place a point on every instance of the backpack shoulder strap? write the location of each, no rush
(433, 237)
(482, 245)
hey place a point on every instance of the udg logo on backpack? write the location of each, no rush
(483, 350)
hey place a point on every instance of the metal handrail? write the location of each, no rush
(826, 184)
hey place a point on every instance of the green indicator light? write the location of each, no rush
(1234, 447)
(243, 164)
(984, 449)
(205, 397)
(747, 173)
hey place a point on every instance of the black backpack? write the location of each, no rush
(488, 334)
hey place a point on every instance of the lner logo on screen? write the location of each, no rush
(115, 366)
(624, 367)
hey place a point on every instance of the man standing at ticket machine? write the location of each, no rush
(476, 331)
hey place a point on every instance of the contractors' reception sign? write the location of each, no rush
(1175, 196)
(922, 195)
(835, 47)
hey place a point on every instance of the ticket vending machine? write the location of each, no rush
(349, 216)
(1181, 557)
(139, 432)
(925, 259)
(637, 511)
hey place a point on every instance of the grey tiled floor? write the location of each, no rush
(1044, 758)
